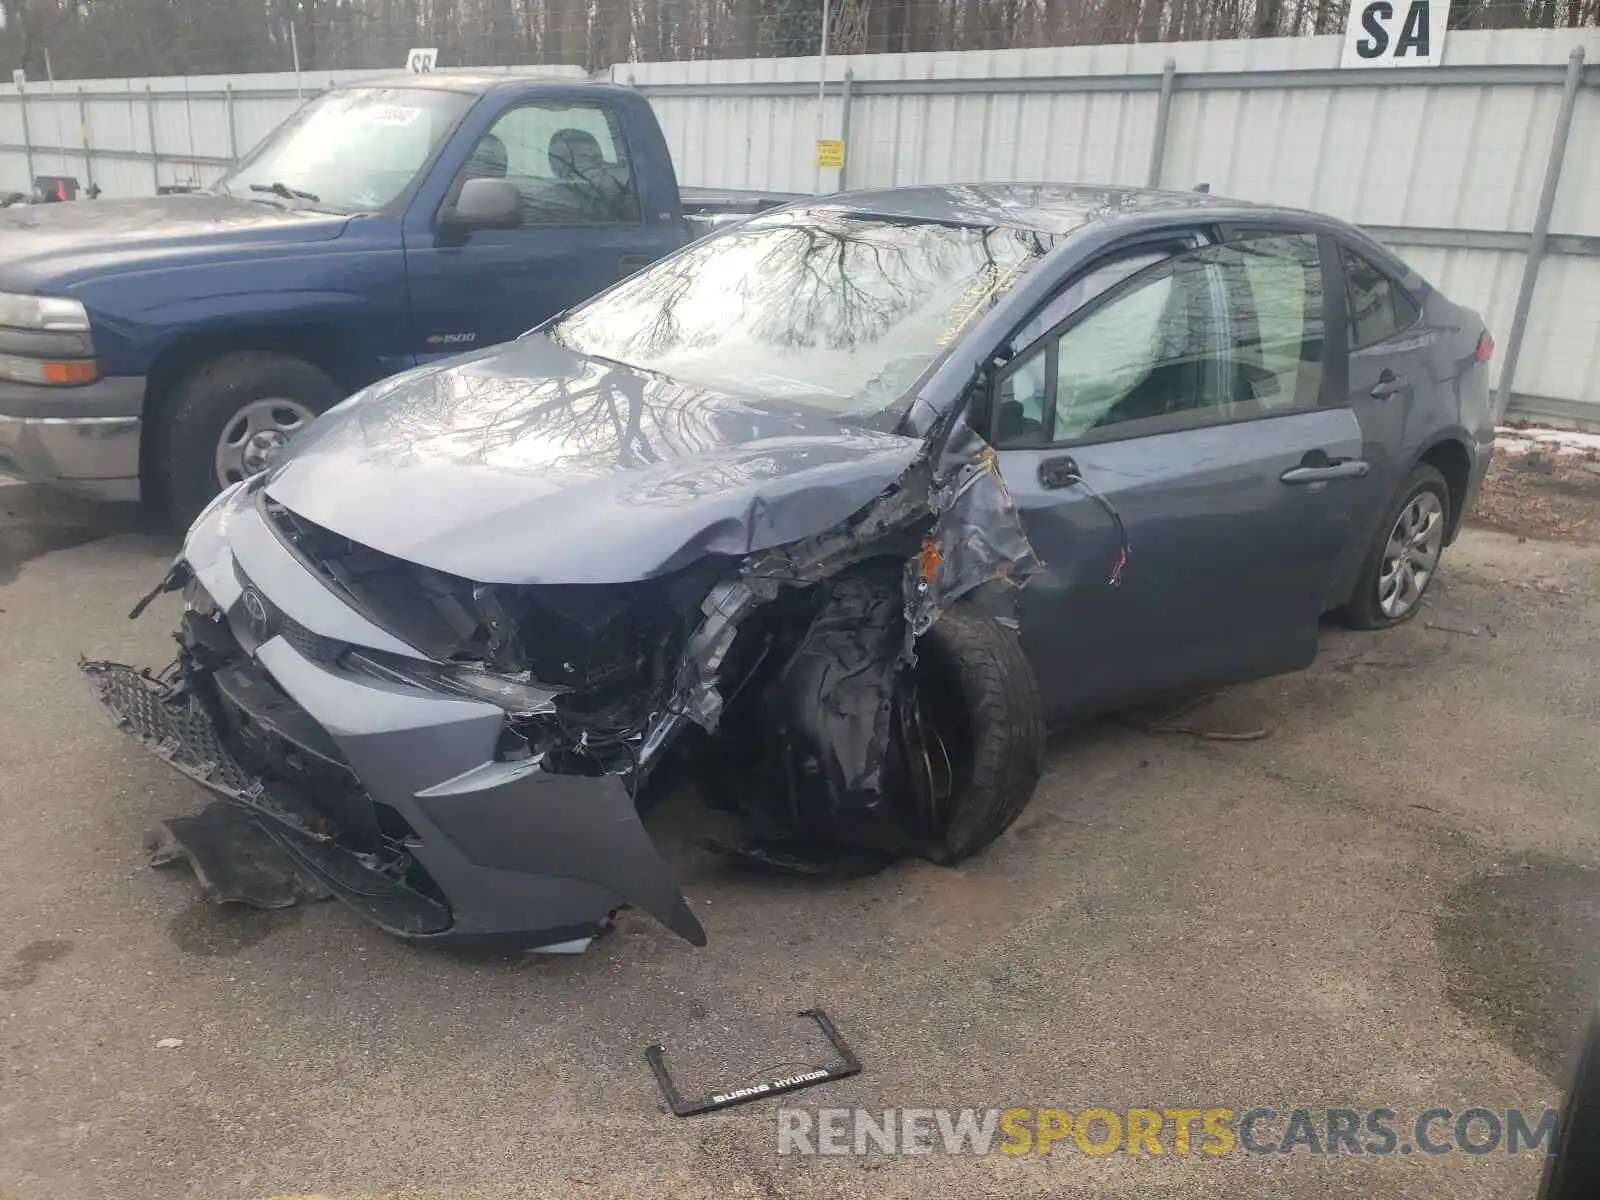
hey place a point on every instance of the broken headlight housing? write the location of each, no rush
(519, 694)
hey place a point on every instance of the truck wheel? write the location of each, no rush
(984, 728)
(225, 421)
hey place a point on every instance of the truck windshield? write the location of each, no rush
(351, 150)
(822, 308)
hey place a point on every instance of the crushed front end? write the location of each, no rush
(413, 788)
(461, 760)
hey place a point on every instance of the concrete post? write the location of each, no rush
(1541, 230)
(150, 122)
(844, 125)
(1158, 143)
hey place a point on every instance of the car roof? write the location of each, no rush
(474, 82)
(1055, 208)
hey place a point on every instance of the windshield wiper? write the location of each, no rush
(284, 190)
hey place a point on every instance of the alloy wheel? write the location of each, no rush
(1412, 555)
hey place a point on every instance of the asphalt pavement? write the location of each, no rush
(1390, 900)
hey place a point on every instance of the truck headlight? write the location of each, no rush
(54, 313)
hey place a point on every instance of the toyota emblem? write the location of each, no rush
(257, 613)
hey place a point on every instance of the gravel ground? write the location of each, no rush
(1542, 490)
(1390, 900)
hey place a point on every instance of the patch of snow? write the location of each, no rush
(1553, 441)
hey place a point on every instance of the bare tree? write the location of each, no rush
(90, 38)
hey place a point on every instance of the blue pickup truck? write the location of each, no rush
(164, 347)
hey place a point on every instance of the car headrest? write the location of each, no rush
(575, 154)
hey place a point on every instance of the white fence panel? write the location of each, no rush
(1447, 168)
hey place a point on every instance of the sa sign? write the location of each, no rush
(420, 62)
(1395, 33)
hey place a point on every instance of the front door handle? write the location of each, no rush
(1388, 384)
(1350, 468)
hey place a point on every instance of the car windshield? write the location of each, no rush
(818, 307)
(351, 150)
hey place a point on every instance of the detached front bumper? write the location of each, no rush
(82, 439)
(435, 834)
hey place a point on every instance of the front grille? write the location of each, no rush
(252, 629)
(170, 720)
(312, 645)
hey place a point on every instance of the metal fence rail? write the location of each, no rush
(1484, 173)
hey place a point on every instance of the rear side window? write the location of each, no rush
(1379, 307)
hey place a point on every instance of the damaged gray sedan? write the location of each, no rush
(840, 508)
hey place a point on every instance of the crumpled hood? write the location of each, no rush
(530, 464)
(41, 244)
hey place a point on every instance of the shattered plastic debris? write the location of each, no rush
(233, 859)
(977, 538)
(832, 717)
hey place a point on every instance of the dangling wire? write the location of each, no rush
(1124, 550)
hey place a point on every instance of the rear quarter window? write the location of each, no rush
(1379, 308)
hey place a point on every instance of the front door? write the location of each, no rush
(1182, 473)
(582, 230)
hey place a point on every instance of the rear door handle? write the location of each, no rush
(1388, 384)
(1350, 468)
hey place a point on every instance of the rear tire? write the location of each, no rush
(183, 467)
(1425, 489)
(980, 697)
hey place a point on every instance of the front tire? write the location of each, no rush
(980, 706)
(224, 422)
(1404, 556)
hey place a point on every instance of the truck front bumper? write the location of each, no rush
(83, 439)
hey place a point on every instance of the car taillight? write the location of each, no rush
(1485, 346)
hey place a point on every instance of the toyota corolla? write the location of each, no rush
(842, 507)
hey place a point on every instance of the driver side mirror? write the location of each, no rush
(485, 204)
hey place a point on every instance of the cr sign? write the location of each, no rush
(1395, 33)
(421, 62)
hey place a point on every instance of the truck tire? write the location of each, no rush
(255, 399)
(980, 703)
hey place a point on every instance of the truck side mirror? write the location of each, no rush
(485, 204)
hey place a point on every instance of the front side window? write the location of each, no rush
(831, 310)
(351, 150)
(1217, 334)
(1379, 308)
(568, 161)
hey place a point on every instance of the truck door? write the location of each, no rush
(582, 228)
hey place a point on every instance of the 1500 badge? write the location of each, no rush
(452, 339)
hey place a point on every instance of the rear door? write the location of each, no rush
(1388, 360)
(582, 228)
(1184, 472)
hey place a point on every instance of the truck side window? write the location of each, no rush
(569, 161)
